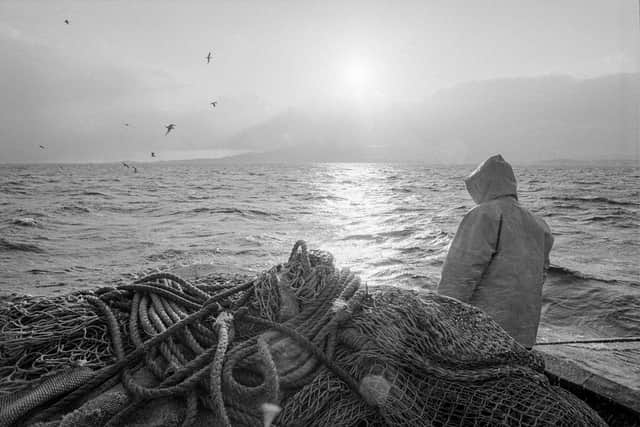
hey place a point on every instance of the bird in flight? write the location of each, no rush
(66, 21)
(126, 124)
(208, 57)
(169, 127)
(125, 165)
(43, 147)
(153, 154)
(214, 103)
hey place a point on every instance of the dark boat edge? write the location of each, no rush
(615, 403)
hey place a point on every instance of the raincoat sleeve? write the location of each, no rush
(470, 253)
(548, 244)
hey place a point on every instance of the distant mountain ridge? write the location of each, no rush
(526, 119)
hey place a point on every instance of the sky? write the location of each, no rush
(72, 87)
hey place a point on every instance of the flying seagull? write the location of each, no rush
(125, 165)
(126, 124)
(169, 127)
(153, 154)
(214, 103)
(43, 147)
(208, 57)
(66, 21)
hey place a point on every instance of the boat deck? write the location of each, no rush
(610, 370)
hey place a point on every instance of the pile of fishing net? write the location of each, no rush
(302, 344)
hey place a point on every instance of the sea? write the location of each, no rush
(70, 227)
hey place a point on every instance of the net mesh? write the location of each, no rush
(423, 359)
(302, 336)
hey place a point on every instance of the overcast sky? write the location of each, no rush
(73, 87)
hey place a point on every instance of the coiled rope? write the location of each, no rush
(170, 325)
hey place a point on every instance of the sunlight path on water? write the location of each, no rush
(375, 221)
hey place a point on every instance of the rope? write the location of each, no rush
(48, 390)
(307, 344)
(112, 323)
(140, 351)
(164, 292)
(318, 321)
(192, 410)
(302, 245)
(186, 286)
(184, 379)
(158, 305)
(215, 378)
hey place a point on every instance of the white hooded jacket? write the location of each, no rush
(498, 257)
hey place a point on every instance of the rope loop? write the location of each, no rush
(304, 256)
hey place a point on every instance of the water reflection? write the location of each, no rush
(380, 223)
(356, 208)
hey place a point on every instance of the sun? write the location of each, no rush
(359, 77)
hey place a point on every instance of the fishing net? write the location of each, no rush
(302, 344)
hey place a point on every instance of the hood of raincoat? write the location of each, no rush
(492, 179)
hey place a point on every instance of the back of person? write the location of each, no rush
(498, 257)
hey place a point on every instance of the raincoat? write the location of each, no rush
(499, 255)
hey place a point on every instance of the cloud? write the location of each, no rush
(74, 94)
(526, 119)
(9, 32)
(77, 106)
(53, 98)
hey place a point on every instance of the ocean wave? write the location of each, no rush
(26, 222)
(75, 209)
(386, 262)
(6, 245)
(405, 232)
(535, 190)
(51, 285)
(599, 218)
(384, 236)
(39, 271)
(596, 199)
(165, 255)
(8, 190)
(192, 197)
(30, 213)
(241, 212)
(96, 193)
(418, 250)
(568, 206)
(577, 275)
(359, 237)
(612, 221)
(321, 197)
(243, 252)
(405, 209)
(402, 189)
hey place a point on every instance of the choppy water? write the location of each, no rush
(76, 226)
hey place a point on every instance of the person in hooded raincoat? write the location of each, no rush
(498, 258)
